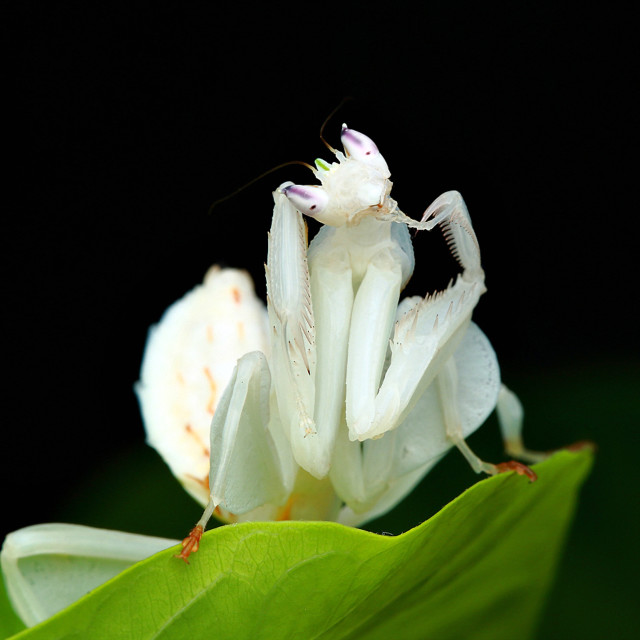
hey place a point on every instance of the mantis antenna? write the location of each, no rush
(253, 180)
(326, 121)
(284, 164)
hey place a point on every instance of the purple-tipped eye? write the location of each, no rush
(362, 148)
(310, 200)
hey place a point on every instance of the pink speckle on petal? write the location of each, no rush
(198, 439)
(214, 391)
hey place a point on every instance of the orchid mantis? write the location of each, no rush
(358, 395)
(330, 404)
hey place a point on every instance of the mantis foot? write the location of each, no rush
(191, 543)
(518, 467)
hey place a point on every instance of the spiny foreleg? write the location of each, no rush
(450, 212)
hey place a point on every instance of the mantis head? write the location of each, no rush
(356, 186)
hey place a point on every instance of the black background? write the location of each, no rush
(131, 122)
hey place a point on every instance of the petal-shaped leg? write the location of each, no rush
(510, 416)
(447, 382)
(423, 435)
(246, 471)
(47, 567)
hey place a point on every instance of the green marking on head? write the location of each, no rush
(321, 164)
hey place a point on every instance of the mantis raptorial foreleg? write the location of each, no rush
(451, 213)
(332, 292)
(427, 335)
(293, 331)
(373, 314)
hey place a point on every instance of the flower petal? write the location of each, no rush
(188, 361)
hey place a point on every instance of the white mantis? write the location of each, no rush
(359, 396)
(331, 404)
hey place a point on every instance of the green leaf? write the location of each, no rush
(9, 621)
(478, 569)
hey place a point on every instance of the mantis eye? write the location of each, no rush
(310, 200)
(363, 148)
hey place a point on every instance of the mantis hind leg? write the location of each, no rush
(447, 383)
(510, 416)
